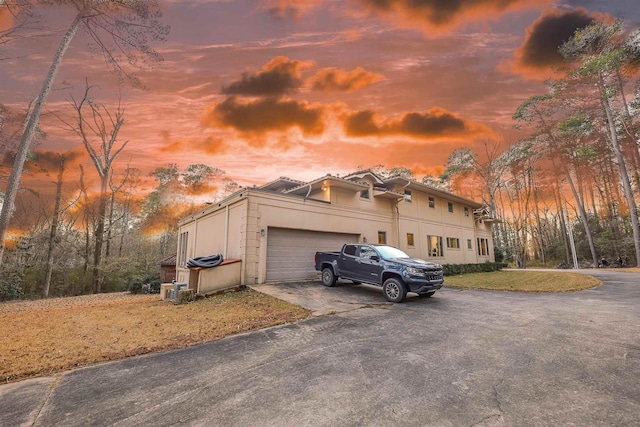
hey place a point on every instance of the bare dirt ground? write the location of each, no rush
(46, 336)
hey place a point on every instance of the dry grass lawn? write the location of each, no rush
(524, 281)
(46, 336)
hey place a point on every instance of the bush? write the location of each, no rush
(11, 285)
(485, 267)
(10, 291)
(136, 287)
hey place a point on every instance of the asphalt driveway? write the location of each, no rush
(461, 358)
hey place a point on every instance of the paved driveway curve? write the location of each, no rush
(461, 358)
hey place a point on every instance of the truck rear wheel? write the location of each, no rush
(394, 290)
(328, 278)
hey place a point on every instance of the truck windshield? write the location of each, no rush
(389, 252)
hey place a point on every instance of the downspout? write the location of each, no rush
(398, 222)
(308, 192)
(226, 232)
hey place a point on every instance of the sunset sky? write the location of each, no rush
(266, 88)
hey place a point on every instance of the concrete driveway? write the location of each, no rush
(461, 358)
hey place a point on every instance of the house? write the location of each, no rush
(275, 229)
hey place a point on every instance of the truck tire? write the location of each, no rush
(328, 278)
(394, 290)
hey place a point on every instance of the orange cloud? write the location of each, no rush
(279, 76)
(6, 18)
(539, 55)
(437, 122)
(441, 15)
(48, 162)
(336, 80)
(291, 8)
(213, 146)
(265, 115)
(417, 156)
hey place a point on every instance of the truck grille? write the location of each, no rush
(430, 275)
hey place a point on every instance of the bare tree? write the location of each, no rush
(99, 128)
(120, 30)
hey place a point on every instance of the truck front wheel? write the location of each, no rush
(394, 290)
(328, 278)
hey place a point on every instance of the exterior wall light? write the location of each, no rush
(263, 232)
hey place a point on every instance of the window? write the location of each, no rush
(466, 211)
(483, 247)
(364, 194)
(407, 196)
(182, 254)
(409, 239)
(432, 202)
(453, 243)
(450, 206)
(350, 250)
(469, 244)
(367, 252)
(382, 237)
(435, 246)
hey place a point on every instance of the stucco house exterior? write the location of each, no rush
(275, 229)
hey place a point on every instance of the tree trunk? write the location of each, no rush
(54, 230)
(29, 132)
(624, 175)
(99, 236)
(584, 218)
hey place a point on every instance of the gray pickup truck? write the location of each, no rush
(382, 265)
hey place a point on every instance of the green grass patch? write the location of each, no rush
(524, 281)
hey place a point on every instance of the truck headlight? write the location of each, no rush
(415, 272)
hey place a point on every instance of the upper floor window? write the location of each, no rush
(182, 254)
(407, 196)
(364, 194)
(450, 206)
(466, 211)
(382, 237)
(469, 244)
(432, 202)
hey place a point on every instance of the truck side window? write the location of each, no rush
(350, 250)
(367, 253)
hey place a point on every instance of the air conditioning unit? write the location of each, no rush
(177, 287)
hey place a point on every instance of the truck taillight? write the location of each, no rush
(315, 257)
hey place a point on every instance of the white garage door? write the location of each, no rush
(290, 252)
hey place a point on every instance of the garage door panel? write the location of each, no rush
(290, 252)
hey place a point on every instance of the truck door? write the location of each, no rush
(349, 262)
(369, 268)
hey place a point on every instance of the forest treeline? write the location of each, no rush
(571, 186)
(566, 192)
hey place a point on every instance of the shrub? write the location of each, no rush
(136, 287)
(10, 291)
(485, 267)
(11, 285)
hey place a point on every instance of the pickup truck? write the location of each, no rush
(382, 265)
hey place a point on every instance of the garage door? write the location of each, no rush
(290, 252)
